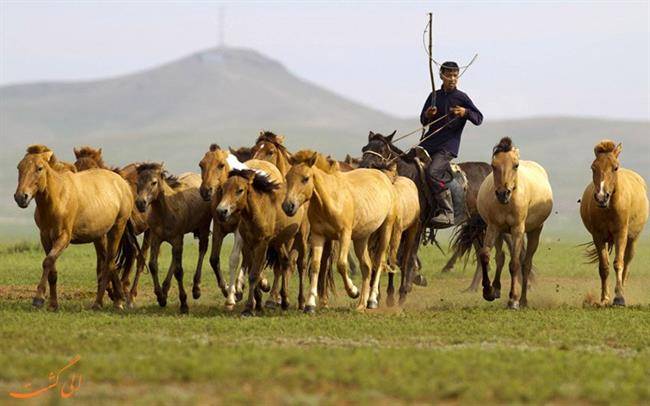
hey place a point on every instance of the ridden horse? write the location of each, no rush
(176, 209)
(215, 166)
(267, 232)
(614, 209)
(516, 198)
(344, 206)
(91, 158)
(76, 208)
(380, 150)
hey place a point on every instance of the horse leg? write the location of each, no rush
(142, 258)
(259, 256)
(285, 264)
(153, 268)
(620, 247)
(317, 243)
(500, 257)
(233, 267)
(603, 269)
(449, 266)
(342, 265)
(379, 260)
(407, 263)
(113, 240)
(167, 283)
(629, 254)
(326, 264)
(177, 266)
(53, 251)
(204, 237)
(515, 266)
(218, 235)
(274, 300)
(361, 249)
(488, 241)
(476, 279)
(394, 246)
(100, 252)
(531, 248)
(303, 250)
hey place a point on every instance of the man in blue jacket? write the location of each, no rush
(444, 145)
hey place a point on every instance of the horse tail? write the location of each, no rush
(592, 253)
(326, 274)
(464, 236)
(129, 248)
(272, 257)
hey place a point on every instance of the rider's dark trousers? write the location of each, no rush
(439, 170)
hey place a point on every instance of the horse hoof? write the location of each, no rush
(270, 304)
(247, 313)
(53, 307)
(310, 309)
(184, 309)
(239, 296)
(229, 306)
(355, 295)
(488, 295)
(118, 306)
(372, 304)
(162, 302)
(285, 305)
(264, 285)
(619, 301)
(512, 305)
(496, 293)
(420, 280)
(38, 302)
(196, 293)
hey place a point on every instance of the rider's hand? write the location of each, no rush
(458, 111)
(431, 111)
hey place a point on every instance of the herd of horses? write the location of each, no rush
(305, 212)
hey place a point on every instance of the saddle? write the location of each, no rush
(457, 187)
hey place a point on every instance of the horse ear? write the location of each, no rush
(292, 160)
(312, 159)
(76, 152)
(618, 149)
(390, 137)
(48, 155)
(370, 134)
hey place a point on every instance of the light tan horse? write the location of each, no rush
(344, 206)
(614, 209)
(267, 232)
(91, 158)
(515, 199)
(215, 166)
(78, 208)
(176, 209)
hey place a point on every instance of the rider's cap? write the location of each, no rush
(449, 65)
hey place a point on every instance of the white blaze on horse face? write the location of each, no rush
(600, 192)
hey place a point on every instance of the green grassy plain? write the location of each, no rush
(442, 346)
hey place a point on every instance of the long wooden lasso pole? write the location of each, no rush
(433, 85)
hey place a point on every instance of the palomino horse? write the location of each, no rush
(75, 208)
(516, 198)
(91, 158)
(614, 209)
(267, 232)
(215, 167)
(176, 209)
(344, 206)
(380, 150)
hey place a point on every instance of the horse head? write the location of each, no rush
(269, 147)
(505, 164)
(605, 171)
(300, 181)
(214, 171)
(149, 184)
(88, 158)
(32, 174)
(379, 149)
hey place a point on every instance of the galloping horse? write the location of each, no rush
(516, 198)
(614, 209)
(267, 232)
(344, 206)
(215, 167)
(75, 208)
(91, 158)
(176, 209)
(381, 150)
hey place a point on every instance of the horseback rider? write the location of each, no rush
(444, 145)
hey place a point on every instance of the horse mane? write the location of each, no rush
(604, 147)
(37, 149)
(505, 145)
(303, 156)
(276, 140)
(171, 180)
(214, 147)
(91, 153)
(261, 182)
(382, 138)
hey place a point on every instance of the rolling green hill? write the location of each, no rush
(224, 95)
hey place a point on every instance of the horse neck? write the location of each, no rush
(49, 200)
(283, 163)
(323, 191)
(259, 210)
(162, 207)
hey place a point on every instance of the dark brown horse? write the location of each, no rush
(380, 150)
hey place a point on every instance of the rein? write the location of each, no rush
(425, 138)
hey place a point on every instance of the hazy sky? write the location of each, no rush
(553, 58)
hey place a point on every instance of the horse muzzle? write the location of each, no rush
(503, 196)
(223, 213)
(602, 199)
(289, 208)
(141, 204)
(206, 193)
(22, 199)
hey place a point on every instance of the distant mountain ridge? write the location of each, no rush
(174, 111)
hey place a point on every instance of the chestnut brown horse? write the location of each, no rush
(266, 230)
(614, 209)
(516, 199)
(91, 158)
(176, 209)
(78, 208)
(344, 206)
